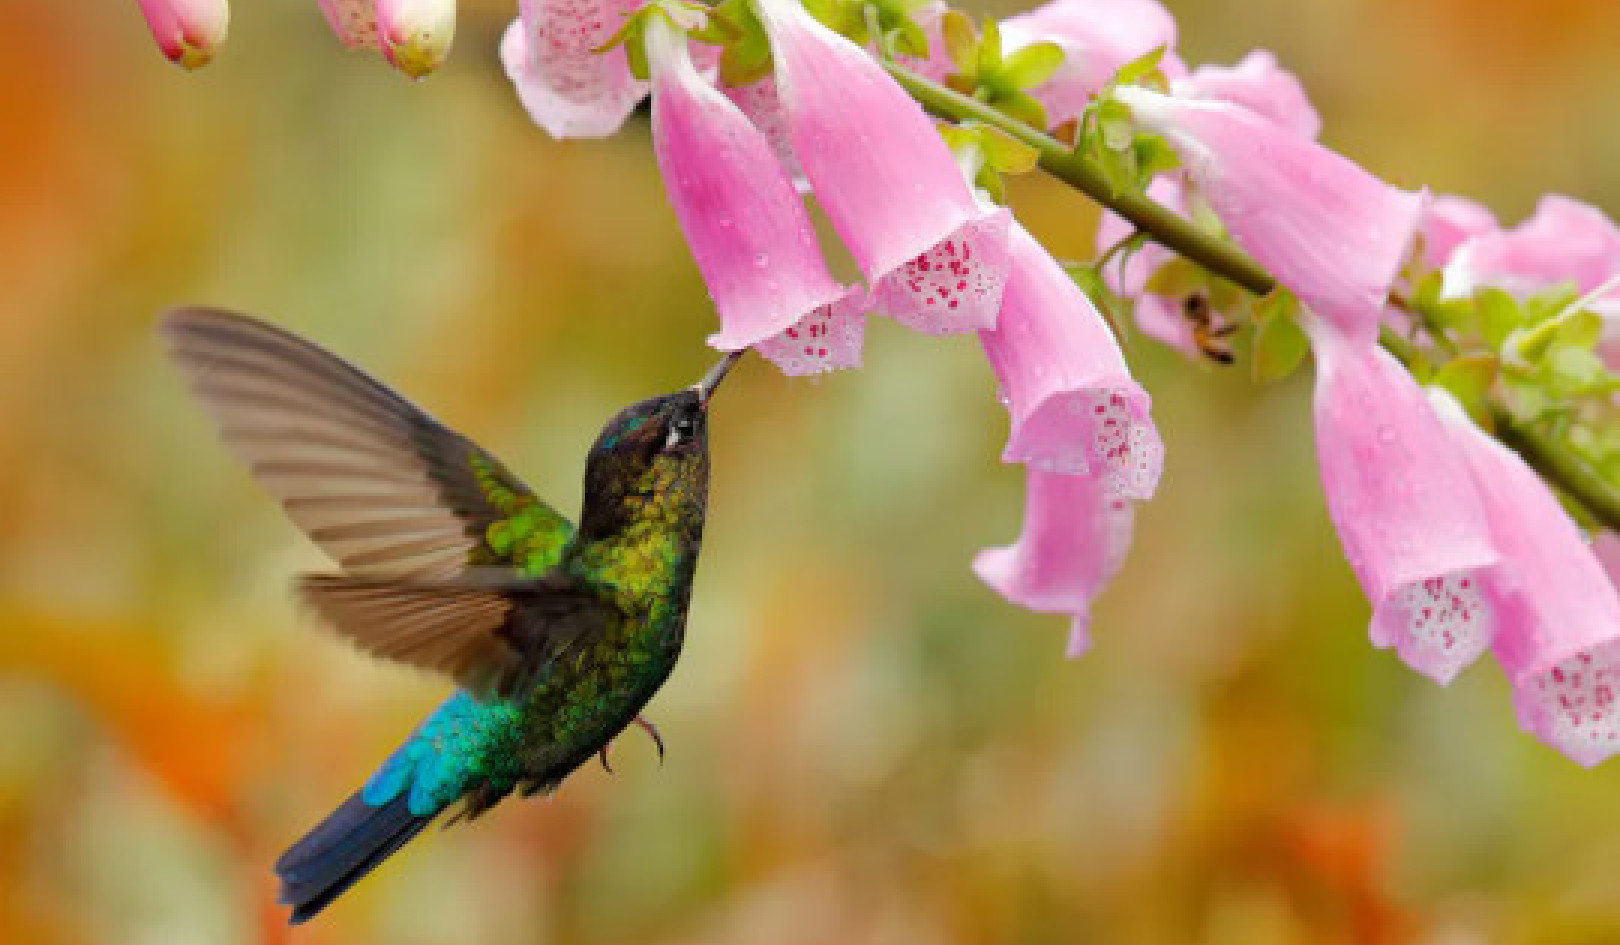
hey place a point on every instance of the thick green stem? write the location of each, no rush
(1572, 475)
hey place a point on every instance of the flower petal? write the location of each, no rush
(187, 31)
(415, 34)
(1097, 37)
(354, 21)
(957, 285)
(1259, 84)
(1158, 316)
(570, 90)
(747, 228)
(1075, 408)
(1075, 536)
(1560, 645)
(827, 339)
(1448, 222)
(1563, 241)
(1400, 495)
(880, 171)
(1329, 231)
(763, 107)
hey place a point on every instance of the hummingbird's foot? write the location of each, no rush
(645, 726)
(652, 732)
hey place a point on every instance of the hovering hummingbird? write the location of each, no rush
(556, 635)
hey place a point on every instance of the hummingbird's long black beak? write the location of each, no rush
(705, 388)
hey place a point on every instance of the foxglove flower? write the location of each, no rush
(1157, 316)
(187, 31)
(1563, 241)
(1400, 495)
(1074, 537)
(827, 339)
(1097, 37)
(1329, 231)
(570, 90)
(1259, 84)
(1075, 408)
(759, 101)
(414, 35)
(936, 259)
(1560, 645)
(1448, 222)
(747, 228)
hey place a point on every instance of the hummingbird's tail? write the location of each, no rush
(342, 849)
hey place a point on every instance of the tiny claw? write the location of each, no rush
(603, 755)
(652, 732)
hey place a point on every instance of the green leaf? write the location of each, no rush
(1007, 154)
(1142, 67)
(1023, 107)
(1469, 379)
(908, 39)
(1278, 304)
(989, 46)
(1154, 155)
(1178, 277)
(1032, 65)
(1580, 330)
(1115, 128)
(1277, 350)
(961, 41)
(1497, 314)
(1574, 370)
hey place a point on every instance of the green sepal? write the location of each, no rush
(1032, 65)
(1006, 154)
(746, 58)
(961, 40)
(989, 57)
(1021, 106)
(1143, 70)
(1469, 379)
(1497, 315)
(1279, 345)
(681, 14)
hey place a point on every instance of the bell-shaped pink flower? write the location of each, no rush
(1075, 408)
(1075, 536)
(1401, 497)
(1329, 231)
(934, 257)
(187, 31)
(747, 228)
(827, 339)
(415, 35)
(1448, 222)
(759, 101)
(1560, 641)
(1097, 37)
(1262, 86)
(1563, 241)
(569, 89)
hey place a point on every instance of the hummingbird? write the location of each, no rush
(557, 635)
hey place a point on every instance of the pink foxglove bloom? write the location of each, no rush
(748, 230)
(1560, 646)
(1259, 84)
(763, 106)
(1075, 535)
(1563, 241)
(1332, 233)
(1075, 408)
(935, 258)
(1097, 37)
(827, 339)
(1400, 495)
(570, 90)
(187, 31)
(1448, 222)
(415, 35)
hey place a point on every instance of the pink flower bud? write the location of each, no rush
(415, 34)
(187, 31)
(570, 90)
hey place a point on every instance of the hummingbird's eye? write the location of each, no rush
(681, 430)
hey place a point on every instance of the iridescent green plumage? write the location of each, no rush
(558, 636)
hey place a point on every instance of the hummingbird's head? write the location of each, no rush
(652, 458)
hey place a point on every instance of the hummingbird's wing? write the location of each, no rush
(492, 632)
(381, 486)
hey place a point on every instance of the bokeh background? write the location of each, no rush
(865, 744)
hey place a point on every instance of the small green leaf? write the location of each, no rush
(1278, 304)
(989, 46)
(961, 41)
(1023, 107)
(1115, 129)
(1178, 277)
(1580, 330)
(1469, 379)
(1154, 155)
(1497, 314)
(1574, 370)
(1032, 65)
(1007, 154)
(1278, 348)
(909, 40)
(1133, 72)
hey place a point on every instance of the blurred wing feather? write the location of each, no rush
(381, 486)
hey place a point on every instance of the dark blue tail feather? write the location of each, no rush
(342, 849)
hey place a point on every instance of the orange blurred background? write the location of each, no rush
(865, 744)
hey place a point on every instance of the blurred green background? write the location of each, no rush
(865, 744)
